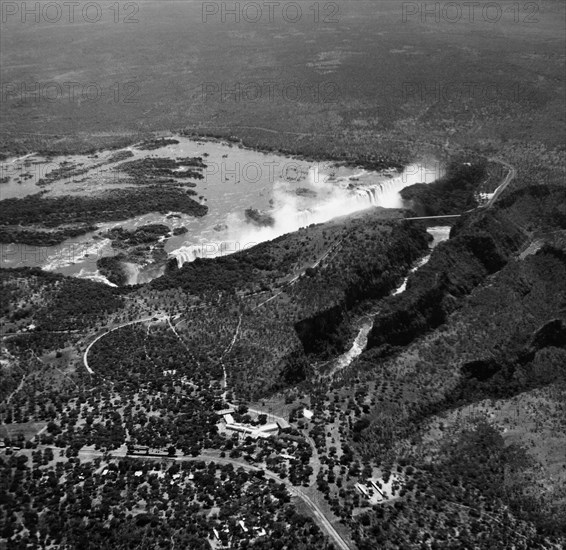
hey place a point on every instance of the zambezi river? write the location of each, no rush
(294, 193)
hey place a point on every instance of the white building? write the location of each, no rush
(307, 414)
(362, 489)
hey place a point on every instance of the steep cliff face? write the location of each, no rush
(552, 333)
(455, 268)
(481, 244)
(113, 269)
(326, 331)
(477, 249)
(316, 332)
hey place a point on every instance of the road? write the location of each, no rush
(316, 513)
(315, 461)
(506, 181)
(226, 351)
(20, 386)
(143, 320)
(172, 327)
(33, 332)
(295, 278)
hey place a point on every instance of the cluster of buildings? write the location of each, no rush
(254, 532)
(262, 431)
(363, 490)
(145, 450)
(382, 491)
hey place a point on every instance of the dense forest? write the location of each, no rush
(35, 237)
(184, 505)
(112, 267)
(453, 193)
(163, 170)
(53, 301)
(117, 204)
(146, 234)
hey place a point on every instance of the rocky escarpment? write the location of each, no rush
(321, 331)
(455, 268)
(143, 246)
(327, 330)
(481, 244)
(112, 267)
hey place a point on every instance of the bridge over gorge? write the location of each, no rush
(432, 217)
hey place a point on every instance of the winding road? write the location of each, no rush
(143, 320)
(506, 181)
(296, 277)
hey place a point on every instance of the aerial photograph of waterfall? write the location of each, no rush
(282, 275)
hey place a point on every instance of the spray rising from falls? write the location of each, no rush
(385, 194)
(334, 197)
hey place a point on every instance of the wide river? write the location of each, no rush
(294, 192)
